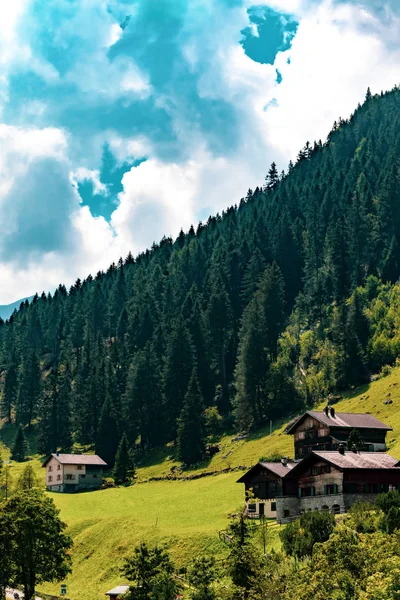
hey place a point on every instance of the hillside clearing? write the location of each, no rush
(186, 515)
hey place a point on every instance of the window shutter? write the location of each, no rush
(325, 490)
(312, 491)
(299, 492)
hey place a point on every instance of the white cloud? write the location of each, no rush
(333, 59)
(338, 51)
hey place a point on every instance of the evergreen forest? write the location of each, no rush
(284, 298)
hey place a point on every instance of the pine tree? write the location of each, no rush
(29, 389)
(20, 447)
(124, 468)
(191, 434)
(27, 480)
(107, 435)
(143, 399)
(252, 367)
(355, 441)
(10, 390)
(178, 368)
(272, 179)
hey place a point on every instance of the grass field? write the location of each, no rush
(186, 515)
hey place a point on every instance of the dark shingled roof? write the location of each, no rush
(359, 460)
(277, 468)
(77, 459)
(348, 420)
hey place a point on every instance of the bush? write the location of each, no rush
(299, 537)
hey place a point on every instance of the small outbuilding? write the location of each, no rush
(73, 472)
(120, 590)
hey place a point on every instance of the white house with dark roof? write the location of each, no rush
(73, 472)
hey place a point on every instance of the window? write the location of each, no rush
(50, 469)
(58, 477)
(331, 489)
(336, 509)
(323, 432)
(79, 467)
(286, 513)
(273, 506)
(83, 476)
(326, 469)
(306, 491)
(325, 508)
(69, 476)
(50, 478)
(273, 486)
(58, 467)
(316, 470)
(252, 508)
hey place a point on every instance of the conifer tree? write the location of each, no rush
(124, 468)
(20, 447)
(272, 179)
(178, 368)
(143, 399)
(27, 480)
(107, 435)
(29, 389)
(10, 390)
(191, 434)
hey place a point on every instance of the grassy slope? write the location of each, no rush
(185, 514)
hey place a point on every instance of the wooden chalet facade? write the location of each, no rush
(263, 484)
(334, 480)
(327, 430)
(73, 472)
(324, 475)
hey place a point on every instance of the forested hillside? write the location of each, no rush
(264, 309)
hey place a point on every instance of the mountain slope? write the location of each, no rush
(6, 310)
(271, 305)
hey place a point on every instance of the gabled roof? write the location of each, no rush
(77, 459)
(346, 420)
(120, 590)
(350, 460)
(277, 468)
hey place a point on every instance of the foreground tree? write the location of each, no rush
(298, 538)
(150, 571)
(39, 545)
(27, 480)
(243, 560)
(201, 575)
(7, 551)
(20, 447)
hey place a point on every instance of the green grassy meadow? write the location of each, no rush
(184, 514)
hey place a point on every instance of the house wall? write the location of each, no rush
(269, 508)
(54, 473)
(264, 485)
(319, 481)
(287, 508)
(70, 478)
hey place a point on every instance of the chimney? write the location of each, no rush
(57, 453)
(284, 461)
(341, 448)
(326, 410)
(332, 412)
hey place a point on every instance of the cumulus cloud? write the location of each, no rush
(121, 122)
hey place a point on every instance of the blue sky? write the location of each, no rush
(124, 120)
